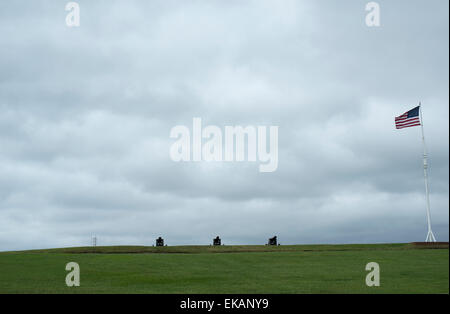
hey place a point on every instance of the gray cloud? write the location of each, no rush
(85, 116)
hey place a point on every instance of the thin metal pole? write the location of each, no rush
(430, 236)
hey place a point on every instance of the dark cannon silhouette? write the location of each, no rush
(272, 241)
(160, 242)
(217, 241)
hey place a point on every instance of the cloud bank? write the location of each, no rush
(86, 112)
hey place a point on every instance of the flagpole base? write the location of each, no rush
(430, 237)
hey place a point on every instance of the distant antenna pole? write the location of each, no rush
(430, 236)
(94, 241)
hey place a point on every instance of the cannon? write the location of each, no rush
(272, 241)
(160, 242)
(217, 241)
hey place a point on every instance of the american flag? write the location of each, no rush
(408, 119)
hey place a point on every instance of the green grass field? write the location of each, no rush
(404, 268)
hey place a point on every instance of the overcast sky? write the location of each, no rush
(86, 113)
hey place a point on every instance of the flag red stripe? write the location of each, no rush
(408, 122)
(407, 126)
(402, 124)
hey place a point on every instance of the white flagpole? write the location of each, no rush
(430, 236)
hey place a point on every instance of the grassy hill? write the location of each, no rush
(405, 268)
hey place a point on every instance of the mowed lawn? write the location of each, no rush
(326, 270)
